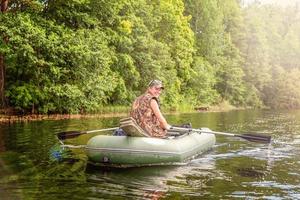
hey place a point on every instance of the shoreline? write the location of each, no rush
(38, 117)
(15, 118)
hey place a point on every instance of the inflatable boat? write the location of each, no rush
(138, 148)
(133, 151)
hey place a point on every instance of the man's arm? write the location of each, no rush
(160, 117)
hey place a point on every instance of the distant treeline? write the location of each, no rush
(71, 56)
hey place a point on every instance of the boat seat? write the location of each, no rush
(131, 128)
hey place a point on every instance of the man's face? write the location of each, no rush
(156, 90)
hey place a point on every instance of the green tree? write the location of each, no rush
(215, 23)
(272, 46)
(284, 90)
(256, 51)
(56, 69)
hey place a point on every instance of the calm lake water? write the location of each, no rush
(233, 169)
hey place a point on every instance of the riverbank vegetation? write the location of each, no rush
(80, 56)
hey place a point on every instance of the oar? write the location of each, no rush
(253, 137)
(72, 134)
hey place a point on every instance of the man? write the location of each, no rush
(146, 112)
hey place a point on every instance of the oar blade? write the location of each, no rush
(69, 134)
(256, 138)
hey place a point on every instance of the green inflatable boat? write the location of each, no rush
(132, 151)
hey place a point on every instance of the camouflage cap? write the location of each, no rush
(156, 83)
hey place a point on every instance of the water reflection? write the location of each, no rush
(132, 183)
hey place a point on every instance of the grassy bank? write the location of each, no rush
(11, 116)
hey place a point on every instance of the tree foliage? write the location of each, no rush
(271, 53)
(71, 56)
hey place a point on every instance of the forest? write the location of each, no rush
(78, 56)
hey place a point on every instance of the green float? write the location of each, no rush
(128, 151)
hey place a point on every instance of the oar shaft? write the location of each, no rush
(202, 131)
(250, 137)
(102, 130)
(74, 134)
(215, 132)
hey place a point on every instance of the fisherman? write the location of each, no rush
(146, 112)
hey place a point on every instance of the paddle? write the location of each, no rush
(73, 134)
(253, 137)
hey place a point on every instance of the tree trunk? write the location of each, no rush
(2, 81)
(4, 7)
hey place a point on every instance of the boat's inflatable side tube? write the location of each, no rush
(138, 151)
